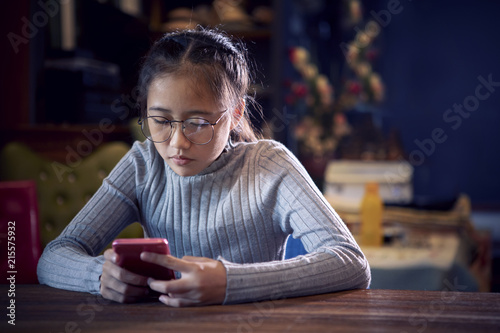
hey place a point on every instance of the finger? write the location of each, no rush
(126, 289)
(196, 259)
(116, 296)
(177, 302)
(110, 255)
(115, 281)
(178, 287)
(168, 261)
(123, 275)
(125, 294)
(116, 290)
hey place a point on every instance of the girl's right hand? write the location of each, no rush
(120, 285)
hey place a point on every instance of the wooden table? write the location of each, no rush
(44, 309)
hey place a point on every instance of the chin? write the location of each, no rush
(183, 171)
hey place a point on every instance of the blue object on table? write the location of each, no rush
(293, 248)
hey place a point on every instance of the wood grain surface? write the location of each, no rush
(43, 309)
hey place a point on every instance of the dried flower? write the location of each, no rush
(323, 122)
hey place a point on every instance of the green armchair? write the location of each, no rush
(62, 190)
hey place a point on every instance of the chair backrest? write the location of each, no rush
(62, 189)
(19, 232)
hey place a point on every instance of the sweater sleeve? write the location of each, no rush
(72, 260)
(334, 261)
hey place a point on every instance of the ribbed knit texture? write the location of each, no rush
(239, 210)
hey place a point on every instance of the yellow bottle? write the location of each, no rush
(372, 210)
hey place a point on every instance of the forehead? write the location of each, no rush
(177, 92)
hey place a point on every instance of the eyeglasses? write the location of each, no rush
(197, 130)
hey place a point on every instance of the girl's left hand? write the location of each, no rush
(203, 280)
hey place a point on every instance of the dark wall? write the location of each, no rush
(433, 53)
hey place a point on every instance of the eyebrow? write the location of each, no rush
(194, 112)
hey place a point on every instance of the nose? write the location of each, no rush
(177, 139)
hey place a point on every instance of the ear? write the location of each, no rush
(238, 113)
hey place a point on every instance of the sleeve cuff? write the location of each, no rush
(94, 277)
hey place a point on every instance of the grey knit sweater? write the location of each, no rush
(239, 210)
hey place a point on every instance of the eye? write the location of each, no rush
(160, 121)
(197, 122)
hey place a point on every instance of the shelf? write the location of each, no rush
(107, 34)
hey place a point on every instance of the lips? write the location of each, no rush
(180, 160)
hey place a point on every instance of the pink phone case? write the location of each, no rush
(130, 249)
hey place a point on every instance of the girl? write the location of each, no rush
(225, 200)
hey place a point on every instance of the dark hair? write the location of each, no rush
(208, 56)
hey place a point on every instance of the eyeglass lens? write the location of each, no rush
(159, 129)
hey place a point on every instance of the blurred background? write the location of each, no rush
(402, 93)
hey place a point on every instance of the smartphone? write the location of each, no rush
(129, 251)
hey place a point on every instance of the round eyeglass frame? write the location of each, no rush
(141, 122)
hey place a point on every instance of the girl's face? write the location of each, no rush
(177, 98)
